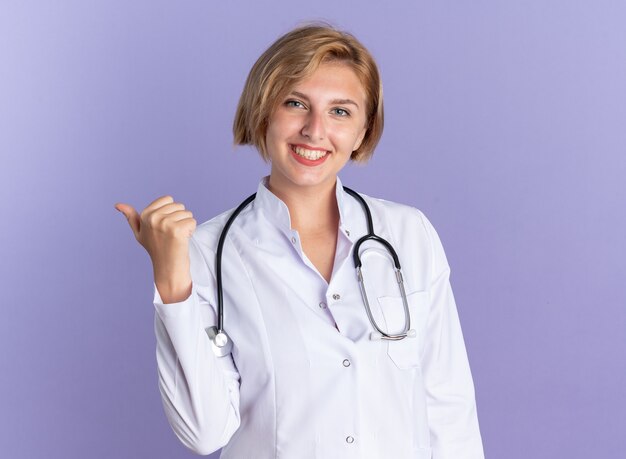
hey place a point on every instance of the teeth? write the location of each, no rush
(309, 154)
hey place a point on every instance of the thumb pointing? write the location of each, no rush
(131, 215)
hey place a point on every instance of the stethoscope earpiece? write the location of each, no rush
(376, 336)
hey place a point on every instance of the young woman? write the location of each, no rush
(309, 361)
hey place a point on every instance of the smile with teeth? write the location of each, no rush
(313, 155)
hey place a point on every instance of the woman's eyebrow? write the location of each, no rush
(333, 102)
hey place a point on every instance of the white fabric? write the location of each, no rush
(304, 380)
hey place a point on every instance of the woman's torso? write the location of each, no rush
(313, 383)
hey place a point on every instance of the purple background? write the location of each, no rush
(505, 125)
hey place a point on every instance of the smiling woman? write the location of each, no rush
(269, 344)
(295, 57)
(311, 114)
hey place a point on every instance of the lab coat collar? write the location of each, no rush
(277, 212)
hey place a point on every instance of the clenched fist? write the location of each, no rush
(164, 228)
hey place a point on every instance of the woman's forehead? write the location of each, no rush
(332, 82)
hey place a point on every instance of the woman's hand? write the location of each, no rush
(164, 228)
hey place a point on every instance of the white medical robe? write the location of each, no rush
(305, 380)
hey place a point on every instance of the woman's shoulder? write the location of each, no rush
(207, 234)
(408, 223)
(396, 212)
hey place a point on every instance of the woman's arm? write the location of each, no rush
(452, 412)
(200, 392)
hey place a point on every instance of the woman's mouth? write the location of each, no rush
(308, 157)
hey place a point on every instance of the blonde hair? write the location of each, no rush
(291, 59)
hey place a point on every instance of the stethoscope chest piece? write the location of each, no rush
(220, 341)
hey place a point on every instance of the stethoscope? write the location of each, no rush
(221, 342)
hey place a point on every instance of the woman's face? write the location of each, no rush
(315, 129)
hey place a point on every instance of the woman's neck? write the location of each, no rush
(313, 210)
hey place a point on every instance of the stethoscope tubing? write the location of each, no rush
(218, 260)
(221, 341)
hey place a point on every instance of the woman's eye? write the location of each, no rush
(293, 103)
(341, 112)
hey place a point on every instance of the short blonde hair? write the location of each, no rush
(291, 59)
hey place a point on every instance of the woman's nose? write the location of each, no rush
(314, 127)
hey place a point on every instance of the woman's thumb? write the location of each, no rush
(131, 215)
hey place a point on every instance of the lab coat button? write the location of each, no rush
(336, 297)
(347, 233)
(293, 240)
(349, 439)
(346, 363)
(323, 305)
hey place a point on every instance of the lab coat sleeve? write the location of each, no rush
(452, 413)
(200, 392)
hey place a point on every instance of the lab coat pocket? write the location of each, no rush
(423, 453)
(405, 353)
